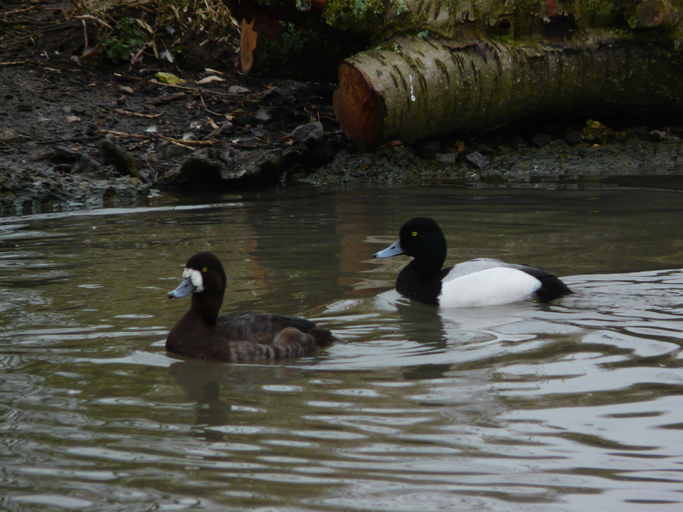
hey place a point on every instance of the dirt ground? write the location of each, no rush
(78, 132)
(85, 132)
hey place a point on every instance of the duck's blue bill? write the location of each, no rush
(184, 289)
(393, 250)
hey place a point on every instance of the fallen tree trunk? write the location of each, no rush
(418, 88)
(475, 65)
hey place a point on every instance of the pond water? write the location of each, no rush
(576, 405)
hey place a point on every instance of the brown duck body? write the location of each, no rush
(236, 337)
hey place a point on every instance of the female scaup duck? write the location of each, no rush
(473, 283)
(235, 337)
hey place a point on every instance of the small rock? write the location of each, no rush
(263, 115)
(209, 167)
(222, 128)
(202, 167)
(477, 160)
(85, 165)
(309, 132)
(61, 154)
(8, 135)
(237, 89)
(113, 154)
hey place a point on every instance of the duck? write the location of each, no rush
(234, 337)
(473, 283)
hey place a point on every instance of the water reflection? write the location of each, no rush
(565, 406)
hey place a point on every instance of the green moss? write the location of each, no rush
(359, 15)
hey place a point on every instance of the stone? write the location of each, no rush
(309, 132)
(237, 89)
(478, 160)
(8, 135)
(122, 160)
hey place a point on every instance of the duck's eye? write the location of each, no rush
(414, 233)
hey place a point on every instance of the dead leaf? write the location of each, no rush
(168, 78)
(209, 79)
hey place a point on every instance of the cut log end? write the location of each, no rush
(359, 109)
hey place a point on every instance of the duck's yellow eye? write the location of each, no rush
(414, 233)
(204, 269)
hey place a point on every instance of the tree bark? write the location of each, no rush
(419, 88)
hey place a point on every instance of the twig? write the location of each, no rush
(13, 62)
(19, 11)
(188, 142)
(84, 17)
(117, 133)
(178, 142)
(196, 90)
(135, 114)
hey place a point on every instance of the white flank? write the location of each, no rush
(196, 279)
(490, 287)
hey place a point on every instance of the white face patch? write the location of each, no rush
(195, 277)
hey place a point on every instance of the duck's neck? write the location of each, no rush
(429, 264)
(419, 283)
(207, 306)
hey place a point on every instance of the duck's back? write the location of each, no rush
(259, 327)
(262, 336)
(472, 266)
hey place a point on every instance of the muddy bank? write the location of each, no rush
(589, 155)
(79, 134)
(72, 137)
(88, 136)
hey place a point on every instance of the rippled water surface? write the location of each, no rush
(575, 405)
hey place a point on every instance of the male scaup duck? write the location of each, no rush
(473, 283)
(236, 337)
